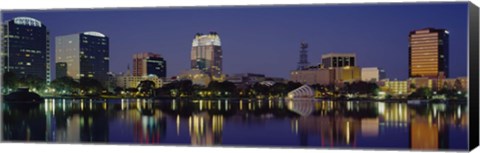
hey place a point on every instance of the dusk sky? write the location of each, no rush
(266, 39)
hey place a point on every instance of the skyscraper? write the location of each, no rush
(149, 64)
(25, 48)
(334, 60)
(86, 55)
(428, 53)
(206, 53)
(303, 63)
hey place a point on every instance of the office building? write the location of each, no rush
(373, 74)
(326, 76)
(25, 48)
(127, 81)
(428, 53)
(206, 54)
(396, 87)
(332, 60)
(145, 64)
(86, 55)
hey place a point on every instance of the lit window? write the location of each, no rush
(28, 63)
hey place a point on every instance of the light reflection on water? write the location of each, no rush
(240, 122)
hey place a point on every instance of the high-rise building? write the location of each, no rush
(428, 53)
(206, 53)
(26, 48)
(338, 60)
(86, 55)
(60, 69)
(303, 63)
(149, 64)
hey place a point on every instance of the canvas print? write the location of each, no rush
(350, 76)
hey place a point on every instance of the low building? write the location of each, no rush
(130, 81)
(395, 87)
(326, 76)
(313, 76)
(199, 77)
(459, 83)
(373, 74)
(347, 74)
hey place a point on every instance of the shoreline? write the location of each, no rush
(263, 99)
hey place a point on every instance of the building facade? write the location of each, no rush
(86, 55)
(325, 76)
(428, 53)
(396, 87)
(373, 74)
(26, 48)
(145, 64)
(131, 81)
(206, 54)
(338, 60)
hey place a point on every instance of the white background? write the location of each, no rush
(74, 148)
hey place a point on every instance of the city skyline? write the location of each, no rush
(267, 40)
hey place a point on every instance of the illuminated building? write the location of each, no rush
(26, 48)
(326, 76)
(149, 64)
(428, 53)
(131, 81)
(347, 74)
(396, 87)
(338, 60)
(86, 55)
(459, 83)
(206, 54)
(373, 74)
(60, 69)
(313, 76)
(196, 76)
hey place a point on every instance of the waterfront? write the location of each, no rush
(240, 123)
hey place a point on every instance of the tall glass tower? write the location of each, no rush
(86, 55)
(428, 53)
(26, 48)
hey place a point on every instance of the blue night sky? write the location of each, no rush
(266, 39)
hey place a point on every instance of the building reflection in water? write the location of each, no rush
(333, 124)
(205, 129)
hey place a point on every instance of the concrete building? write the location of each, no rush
(206, 54)
(145, 64)
(372, 74)
(326, 76)
(131, 81)
(396, 87)
(313, 76)
(428, 53)
(347, 74)
(26, 48)
(86, 55)
(338, 60)
(197, 77)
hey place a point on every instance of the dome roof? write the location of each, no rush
(28, 21)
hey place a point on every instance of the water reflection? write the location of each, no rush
(240, 122)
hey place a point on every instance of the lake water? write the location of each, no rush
(271, 123)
